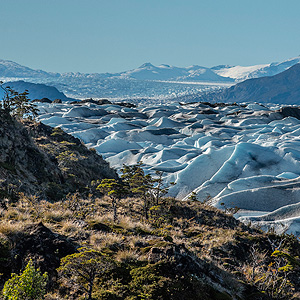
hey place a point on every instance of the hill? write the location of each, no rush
(185, 250)
(36, 90)
(39, 160)
(283, 88)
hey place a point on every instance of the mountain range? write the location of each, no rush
(147, 81)
(147, 71)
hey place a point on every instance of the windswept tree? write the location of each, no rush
(115, 190)
(80, 270)
(139, 184)
(17, 104)
(150, 189)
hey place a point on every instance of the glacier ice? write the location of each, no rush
(238, 155)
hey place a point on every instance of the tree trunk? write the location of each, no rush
(90, 291)
(114, 204)
(146, 208)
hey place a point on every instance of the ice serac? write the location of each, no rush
(267, 198)
(84, 112)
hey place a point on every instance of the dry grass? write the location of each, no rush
(107, 240)
(130, 224)
(70, 227)
(10, 228)
(52, 296)
(131, 229)
(127, 256)
(216, 238)
(101, 217)
(54, 216)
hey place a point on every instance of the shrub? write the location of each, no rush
(29, 285)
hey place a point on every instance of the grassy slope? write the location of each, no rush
(184, 251)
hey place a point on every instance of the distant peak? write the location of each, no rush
(221, 67)
(145, 65)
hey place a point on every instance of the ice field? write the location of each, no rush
(246, 156)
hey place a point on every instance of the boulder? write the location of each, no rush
(44, 247)
(290, 111)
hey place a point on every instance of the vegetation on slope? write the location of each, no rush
(184, 250)
(133, 243)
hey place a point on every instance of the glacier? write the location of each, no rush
(236, 155)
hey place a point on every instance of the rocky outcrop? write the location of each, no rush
(37, 159)
(38, 243)
(290, 111)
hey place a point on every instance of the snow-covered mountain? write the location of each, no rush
(10, 69)
(148, 71)
(157, 83)
(241, 73)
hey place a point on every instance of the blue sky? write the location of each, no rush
(117, 35)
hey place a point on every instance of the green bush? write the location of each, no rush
(29, 285)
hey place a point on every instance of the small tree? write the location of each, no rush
(160, 189)
(18, 104)
(81, 269)
(150, 189)
(29, 285)
(139, 184)
(115, 190)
